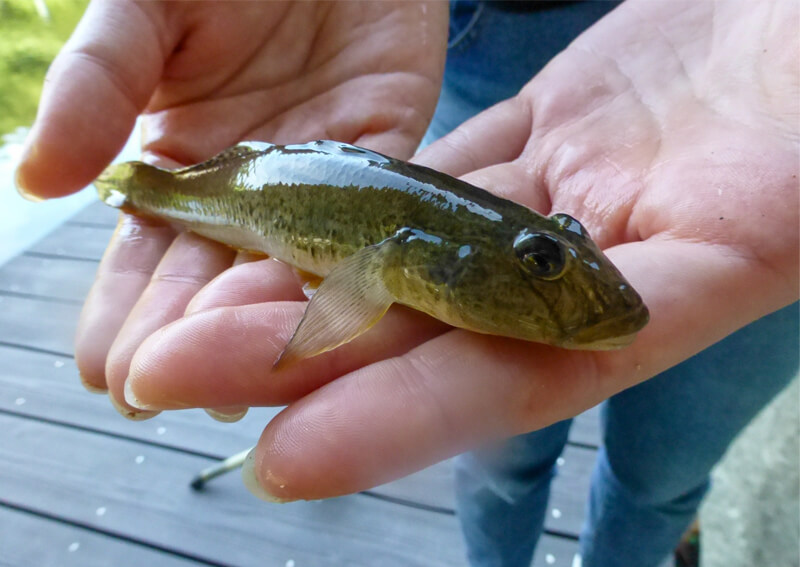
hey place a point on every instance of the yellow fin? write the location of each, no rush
(348, 302)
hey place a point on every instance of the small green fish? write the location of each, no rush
(382, 231)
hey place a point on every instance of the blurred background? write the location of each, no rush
(31, 34)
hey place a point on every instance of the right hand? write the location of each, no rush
(684, 173)
(206, 76)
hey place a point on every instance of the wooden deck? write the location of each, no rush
(81, 486)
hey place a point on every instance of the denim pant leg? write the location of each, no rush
(662, 437)
(493, 52)
(502, 493)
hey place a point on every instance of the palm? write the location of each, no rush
(670, 156)
(207, 76)
(361, 73)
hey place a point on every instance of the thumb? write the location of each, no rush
(94, 90)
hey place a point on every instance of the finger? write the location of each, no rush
(400, 415)
(94, 91)
(391, 115)
(251, 281)
(224, 357)
(125, 270)
(190, 262)
(494, 136)
(248, 283)
(511, 181)
(460, 389)
(227, 415)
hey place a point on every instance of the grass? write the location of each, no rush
(29, 41)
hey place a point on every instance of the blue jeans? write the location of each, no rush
(660, 438)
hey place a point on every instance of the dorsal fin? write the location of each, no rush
(225, 157)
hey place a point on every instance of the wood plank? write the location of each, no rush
(38, 324)
(555, 552)
(585, 428)
(97, 214)
(21, 323)
(27, 539)
(47, 387)
(58, 278)
(209, 438)
(124, 487)
(136, 492)
(88, 242)
(40, 394)
(20, 320)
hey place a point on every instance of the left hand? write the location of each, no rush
(204, 77)
(669, 130)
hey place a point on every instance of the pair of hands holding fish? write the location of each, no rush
(669, 130)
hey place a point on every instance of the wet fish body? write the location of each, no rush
(383, 231)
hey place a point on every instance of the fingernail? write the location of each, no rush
(91, 387)
(19, 179)
(132, 399)
(227, 415)
(252, 484)
(131, 414)
(24, 193)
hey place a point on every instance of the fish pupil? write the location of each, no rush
(541, 255)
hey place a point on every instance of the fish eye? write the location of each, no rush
(542, 255)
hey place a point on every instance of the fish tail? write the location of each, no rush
(120, 183)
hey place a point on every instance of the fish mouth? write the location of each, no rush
(610, 343)
(611, 334)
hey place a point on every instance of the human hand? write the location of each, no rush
(206, 76)
(670, 130)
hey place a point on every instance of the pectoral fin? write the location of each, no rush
(349, 301)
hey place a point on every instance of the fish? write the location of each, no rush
(378, 231)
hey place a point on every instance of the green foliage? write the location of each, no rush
(29, 41)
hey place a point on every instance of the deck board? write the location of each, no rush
(59, 278)
(100, 488)
(75, 241)
(96, 214)
(94, 480)
(46, 387)
(53, 543)
(38, 324)
(69, 248)
(51, 424)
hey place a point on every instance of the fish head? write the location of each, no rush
(547, 281)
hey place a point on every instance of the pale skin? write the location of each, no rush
(670, 130)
